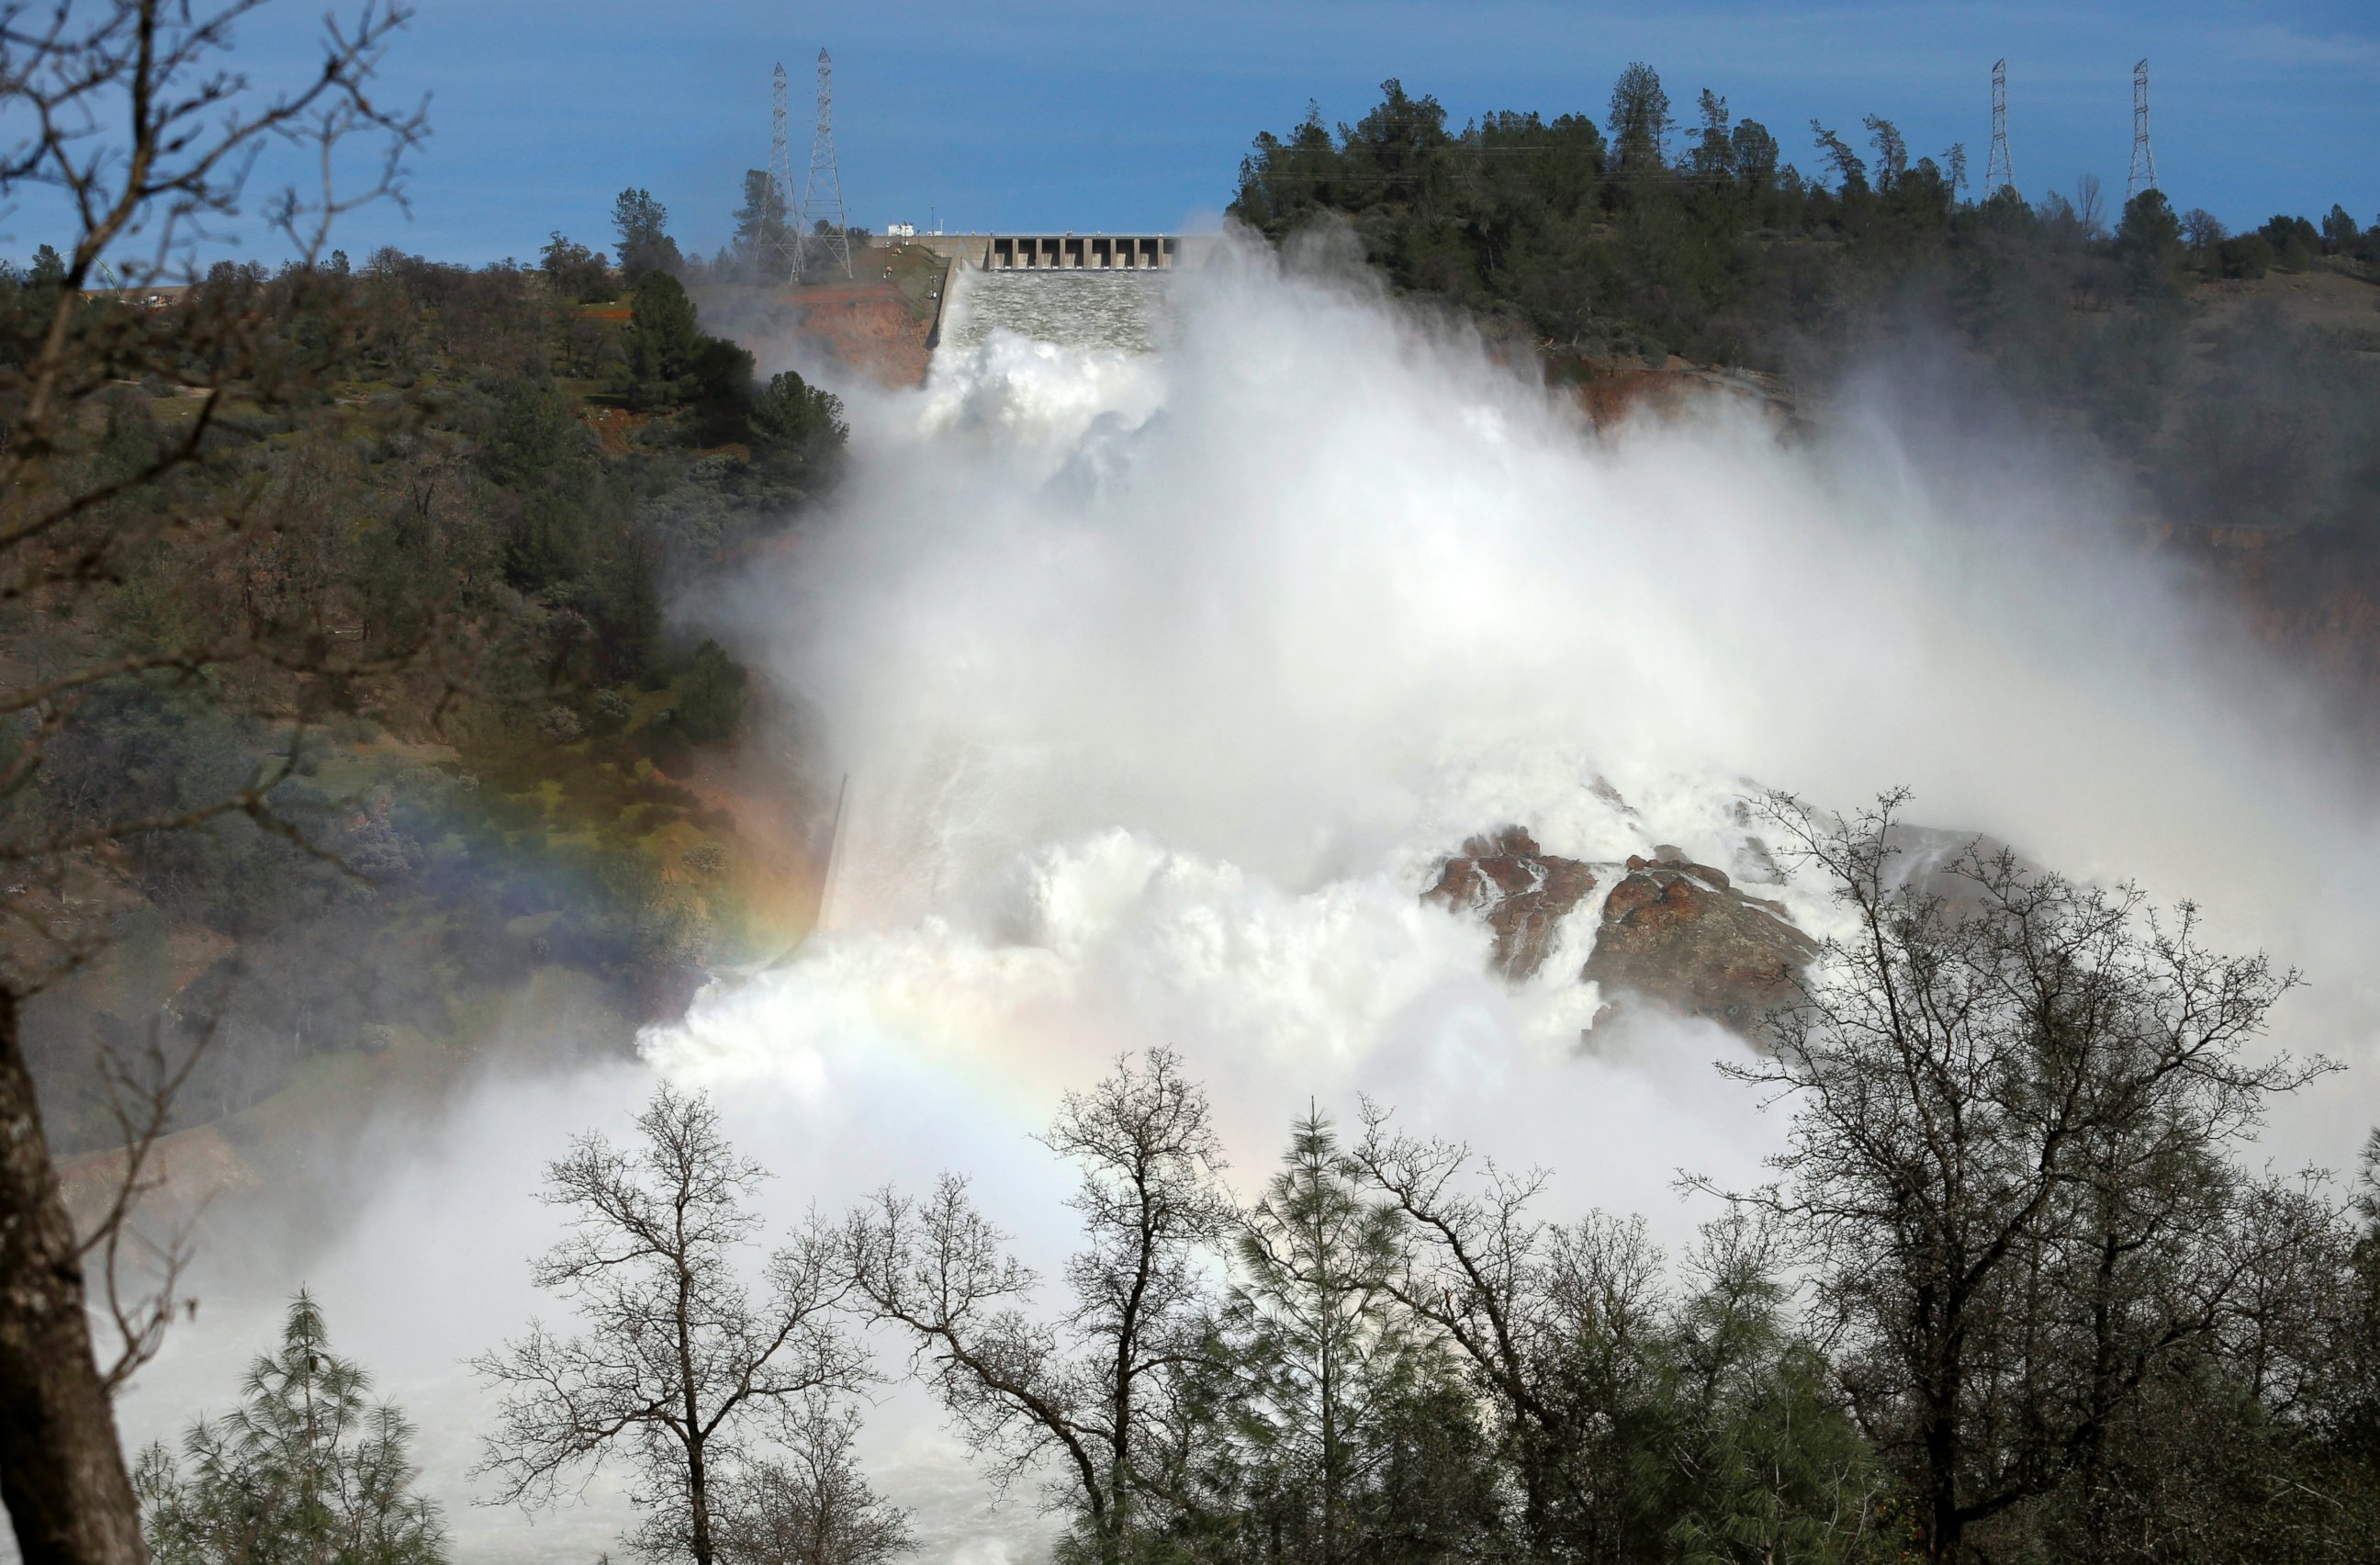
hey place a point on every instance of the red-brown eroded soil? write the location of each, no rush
(870, 326)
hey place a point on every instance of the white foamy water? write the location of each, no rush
(1124, 311)
(1163, 680)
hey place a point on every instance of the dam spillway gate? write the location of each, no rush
(1079, 252)
(1057, 253)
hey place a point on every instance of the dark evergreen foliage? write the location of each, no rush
(1613, 244)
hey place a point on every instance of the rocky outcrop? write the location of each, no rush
(1520, 891)
(1680, 934)
(1673, 933)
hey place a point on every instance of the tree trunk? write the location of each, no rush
(1329, 1455)
(1110, 1530)
(702, 1540)
(697, 1499)
(697, 1487)
(1943, 1524)
(61, 1466)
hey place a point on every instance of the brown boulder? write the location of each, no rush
(1521, 892)
(1678, 934)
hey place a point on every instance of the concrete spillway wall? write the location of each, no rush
(1066, 252)
(943, 303)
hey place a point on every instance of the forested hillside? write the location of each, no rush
(470, 503)
(353, 722)
(2235, 376)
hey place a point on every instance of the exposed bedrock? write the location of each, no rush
(1520, 892)
(1678, 932)
(1672, 932)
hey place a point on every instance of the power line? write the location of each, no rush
(2143, 173)
(1999, 174)
(825, 206)
(785, 243)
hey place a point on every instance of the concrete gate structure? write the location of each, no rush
(1063, 252)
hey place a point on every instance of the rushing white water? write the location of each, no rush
(1163, 680)
(1119, 311)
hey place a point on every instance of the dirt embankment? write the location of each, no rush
(181, 1174)
(866, 326)
(2290, 535)
(2312, 595)
(881, 321)
(1610, 391)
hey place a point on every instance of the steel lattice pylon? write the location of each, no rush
(785, 247)
(1999, 174)
(823, 197)
(2143, 174)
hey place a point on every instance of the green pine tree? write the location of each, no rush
(304, 1472)
(1324, 1348)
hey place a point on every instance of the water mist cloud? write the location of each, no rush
(1163, 684)
(1163, 681)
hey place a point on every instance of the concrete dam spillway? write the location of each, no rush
(1076, 290)
(900, 305)
(1085, 311)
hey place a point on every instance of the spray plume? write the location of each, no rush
(1163, 681)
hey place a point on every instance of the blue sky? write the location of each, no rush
(1127, 114)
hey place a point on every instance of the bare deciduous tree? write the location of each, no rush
(682, 1369)
(1557, 1322)
(127, 127)
(811, 1505)
(1081, 1393)
(1479, 1267)
(2007, 1162)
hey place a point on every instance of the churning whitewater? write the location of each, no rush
(1169, 646)
(1163, 681)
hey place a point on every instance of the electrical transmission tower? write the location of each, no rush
(2143, 174)
(785, 243)
(1999, 174)
(823, 197)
